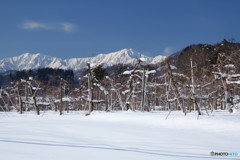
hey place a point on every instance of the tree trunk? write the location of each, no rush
(143, 91)
(20, 101)
(195, 106)
(61, 96)
(35, 105)
(90, 88)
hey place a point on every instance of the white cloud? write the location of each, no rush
(62, 26)
(31, 25)
(167, 51)
(68, 27)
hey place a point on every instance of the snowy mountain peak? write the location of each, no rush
(34, 61)
(25, 55)
(124, 53)
(130, 52)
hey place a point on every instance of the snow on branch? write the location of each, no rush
(97, 101)
(235, 76)
(151, 72)
(127, 72)
(233, 82)
(139, 71)
(173, 67)
(94, 100)
(65, 99)
(225, 75)
(101, 88)
(180, 75)
(125, 92)
(229, 66)
(150, 84)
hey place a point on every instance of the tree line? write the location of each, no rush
(44, 75)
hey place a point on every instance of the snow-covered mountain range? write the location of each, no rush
(35, 61)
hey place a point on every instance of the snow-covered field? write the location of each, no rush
(118, 136)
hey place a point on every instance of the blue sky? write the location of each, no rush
(83, 28)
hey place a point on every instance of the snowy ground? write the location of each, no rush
(118, 136)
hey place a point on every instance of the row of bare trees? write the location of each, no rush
(138, 88)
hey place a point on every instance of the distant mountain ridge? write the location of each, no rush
(34, 61)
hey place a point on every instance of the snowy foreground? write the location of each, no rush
(118, 136)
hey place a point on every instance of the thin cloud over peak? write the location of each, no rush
(61, 26)
(168, 51)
